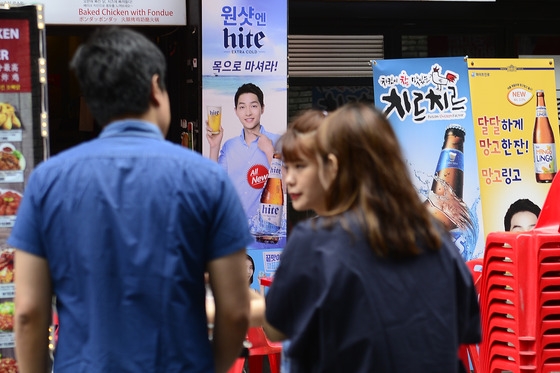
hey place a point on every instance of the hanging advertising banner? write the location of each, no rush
(22, 145)
(516, 129)
(112, 12)
(427, 101)
(244, 98)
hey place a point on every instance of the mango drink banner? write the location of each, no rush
(428, 103)
(504, 104)
(245, 41)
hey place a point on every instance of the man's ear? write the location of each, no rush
(156, 91)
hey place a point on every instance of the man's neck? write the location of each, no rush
(149, 116)
(251, 135)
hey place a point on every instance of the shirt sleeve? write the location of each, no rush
(229, 230)
(25, 234)
(293, 301)
(222, 158)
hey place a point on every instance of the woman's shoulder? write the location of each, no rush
(320, 234)
(317, 225)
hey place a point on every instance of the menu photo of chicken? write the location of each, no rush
(8, 364)
(7, 341)
(6, 317)
(6, 269)
(9, 204)
(12, 164)
(10, 122)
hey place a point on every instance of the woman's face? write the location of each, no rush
(250, 269)
(304, 186)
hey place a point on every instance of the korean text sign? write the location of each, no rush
(245, 42)
(427, 100)
(112, 12)
(505, 108)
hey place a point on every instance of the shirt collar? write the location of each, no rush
(242, 135)
(132, 128)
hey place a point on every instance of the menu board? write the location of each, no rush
(22, 145)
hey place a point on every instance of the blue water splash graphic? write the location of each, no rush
(465, 239)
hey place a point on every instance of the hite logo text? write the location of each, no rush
(243, 40)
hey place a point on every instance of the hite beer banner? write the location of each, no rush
(516, 128)
(428, 103)
(244, 67)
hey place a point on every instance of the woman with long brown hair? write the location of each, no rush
(374, 284)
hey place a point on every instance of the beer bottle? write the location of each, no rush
(186, 135)
(544, 149)
(271, 203)
(447, 187)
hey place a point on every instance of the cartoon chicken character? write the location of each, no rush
(441, 81)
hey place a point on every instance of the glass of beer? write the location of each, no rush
(214, 118)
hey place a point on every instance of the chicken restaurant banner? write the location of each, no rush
(428, 104)
(494, 136)
(245, 41)
(111, 12)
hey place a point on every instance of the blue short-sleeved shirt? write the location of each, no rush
(127, 223)
(240, 159)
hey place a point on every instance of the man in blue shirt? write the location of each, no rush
(247, 157)
(121, 230)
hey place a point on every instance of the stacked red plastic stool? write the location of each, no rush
(260, 347)
(520, 296)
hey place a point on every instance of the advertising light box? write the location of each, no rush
(112, 12)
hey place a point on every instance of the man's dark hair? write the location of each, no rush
(115, 69)
(249, 88)
(518, 206)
